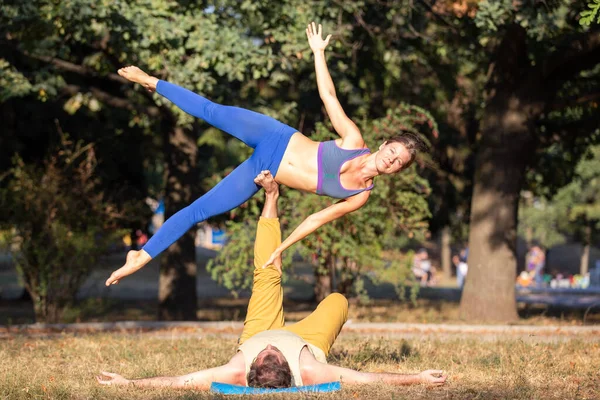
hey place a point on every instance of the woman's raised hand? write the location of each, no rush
(315, 39)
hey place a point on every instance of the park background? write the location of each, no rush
(506, 93)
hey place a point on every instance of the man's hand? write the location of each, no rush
(433, 377)
(265, 179)
(110, 379)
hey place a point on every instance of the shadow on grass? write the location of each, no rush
(372, 353)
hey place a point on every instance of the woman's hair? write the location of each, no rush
(412, 142)
(271, 373)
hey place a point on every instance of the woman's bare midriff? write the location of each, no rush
(298, 168)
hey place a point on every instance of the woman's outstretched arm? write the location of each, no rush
(316, 220)
(341, 123)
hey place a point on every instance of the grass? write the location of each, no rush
(64, 367)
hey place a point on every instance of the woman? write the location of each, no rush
(343, 168)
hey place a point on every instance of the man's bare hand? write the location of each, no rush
(433, 377)
(111, 379)
(266, 180)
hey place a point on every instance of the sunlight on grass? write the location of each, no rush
(64, 367)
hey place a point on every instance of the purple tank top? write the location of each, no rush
(330, 158)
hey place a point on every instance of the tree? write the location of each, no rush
(66, 54)
(520, 94)
(59, 223)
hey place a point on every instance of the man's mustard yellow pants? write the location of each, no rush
(265, 309)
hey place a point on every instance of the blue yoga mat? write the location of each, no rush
(226, 388)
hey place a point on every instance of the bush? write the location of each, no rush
(58, 223)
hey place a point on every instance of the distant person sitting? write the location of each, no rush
(524, 279)
(271, 355)
(536, 261)
(421, 269)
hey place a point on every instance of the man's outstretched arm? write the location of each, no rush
(232, 372)
(322, 373)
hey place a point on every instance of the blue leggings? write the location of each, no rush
(268, 137)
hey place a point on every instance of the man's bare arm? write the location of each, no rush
(318, 372)
(232, 372)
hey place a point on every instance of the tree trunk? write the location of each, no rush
(323, 280)
(39, 307)
(489, 292)
(506, 146)
(177, 284)
(585, 254)
(345, 285)
(446, 253)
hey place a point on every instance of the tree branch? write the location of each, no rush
(101, 95)
(581, 54)
(76, 68)
(577, 128)
(111, 100)
(574, 101)
(69, 66)
(438, 16)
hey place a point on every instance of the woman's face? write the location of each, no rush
(391, 157)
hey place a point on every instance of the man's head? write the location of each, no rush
(422, 254)
(270, 369)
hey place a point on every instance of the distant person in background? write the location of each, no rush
(536, 261)
(524, 279)
(460, 261)
(158, 216)
(140, 238)
(422, 267)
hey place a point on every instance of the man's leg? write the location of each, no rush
(323, 326)
(265, 309)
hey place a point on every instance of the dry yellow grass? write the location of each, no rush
(64, 367)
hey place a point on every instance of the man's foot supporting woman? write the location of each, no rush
(134, 74)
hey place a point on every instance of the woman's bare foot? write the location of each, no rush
(134, 261)
(134, 74)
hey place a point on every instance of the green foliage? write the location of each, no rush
(587, 16)
(59, 223)
(12, 82)
(541, 221)
(575, 206)
(580, 199)
(352, 245)
(493, 14)
(541, 21)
